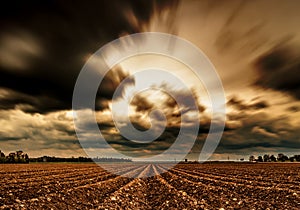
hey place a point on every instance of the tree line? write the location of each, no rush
(271, 158)
(14, 157)
(77, 159)
(21, 157)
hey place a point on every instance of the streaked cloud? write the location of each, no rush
(279, 69)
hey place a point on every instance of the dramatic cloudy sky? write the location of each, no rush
(254, 46)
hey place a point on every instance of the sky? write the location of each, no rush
(254, 46)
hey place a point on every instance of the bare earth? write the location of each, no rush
(188, 186)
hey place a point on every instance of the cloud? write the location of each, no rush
(259, 131)
(242, 105)
(141, 117)
(42, 61)
(112, 80)
(38, 75)
(18, 50)
(11, 99)
(263, 132)
(141, 104)
(140, 120)
(189, 100)
(279, 69)
(162, 18)
(32, 132)
(293, 109)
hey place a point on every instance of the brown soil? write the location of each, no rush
(187, 186)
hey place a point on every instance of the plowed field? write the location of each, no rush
(187, 186)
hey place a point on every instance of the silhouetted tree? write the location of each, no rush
(281, 157)
(252, 158)
(2, 157)
(292, 159)
(259, 159)
(266, 158)
(297, 158)
(273, 158)
(14, 157)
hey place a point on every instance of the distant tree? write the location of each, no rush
(259, 159)
(266, 158)
(292, 159)
(14, 157)
(297, 158)
(11, 158)
(285, 158)
(2, 157)
(281, 157)
(272, 158)
(252, 158)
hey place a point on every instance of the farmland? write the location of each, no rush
(190, 186)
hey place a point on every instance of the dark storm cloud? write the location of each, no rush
(259, 131)
(10, 99)
(170, 109)
(46, 44)
(141, 104)
(4, 138)
(188, 99)
(112, 80)
(160, 144)
(134, 149)
(41, 103)
(62, 144)
(279, 69)
(129, 147)
(242, 105)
